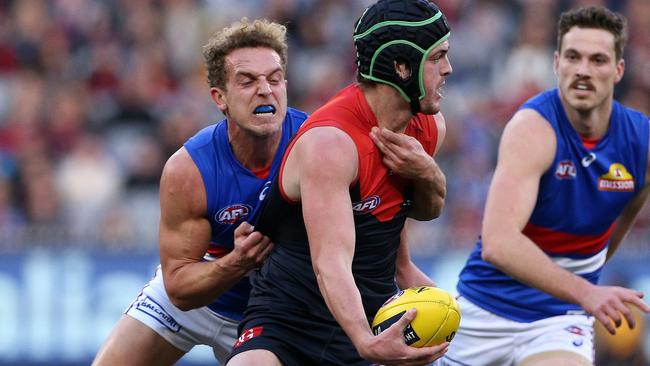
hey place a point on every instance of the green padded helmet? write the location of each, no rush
(398, 30)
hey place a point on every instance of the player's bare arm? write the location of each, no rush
(323, 183)
(628, 216)
(407, 273)
(184, 238)
(510, 202)
(405, 156)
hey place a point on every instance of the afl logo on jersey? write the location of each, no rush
(565, 170)
(366, 205)
(233, 213)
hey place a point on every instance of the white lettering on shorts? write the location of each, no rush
(153, 309)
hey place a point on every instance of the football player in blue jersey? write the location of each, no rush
(571, 177)
(210, 189)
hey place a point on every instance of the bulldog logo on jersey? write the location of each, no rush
(565, 170)
(617, 179)
(233, 213)
(366, 205)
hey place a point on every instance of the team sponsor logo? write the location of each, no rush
(366, 205)
(617, 179)
(565, 170)
(248, 334)
(265, 190)
(152, 308)
(409, 333)
(233, 213)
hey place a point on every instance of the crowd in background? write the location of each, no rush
(96, 95)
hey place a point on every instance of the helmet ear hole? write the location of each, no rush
(402, 68)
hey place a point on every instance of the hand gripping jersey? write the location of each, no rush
(380, 201)
(579, 198)
(233, 195)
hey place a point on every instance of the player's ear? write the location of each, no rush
(556, 61)
(402, 68)
(620, 70)
(219, 97)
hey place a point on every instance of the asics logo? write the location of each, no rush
(587, 160)
(265, 190)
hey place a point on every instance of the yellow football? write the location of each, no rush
(436, 321)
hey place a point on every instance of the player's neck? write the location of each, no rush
(254, 152)
(592, 124)
(391, 110)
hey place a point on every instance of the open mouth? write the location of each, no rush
(583, 86)
(264, 110)
(440, 91)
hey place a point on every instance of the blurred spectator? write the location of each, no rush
(528, 67)
(88, 181)
(66, 121)
(11, 219)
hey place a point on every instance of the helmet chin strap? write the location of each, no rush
(415, 106)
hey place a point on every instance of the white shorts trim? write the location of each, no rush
(487, 339)
(183, 329)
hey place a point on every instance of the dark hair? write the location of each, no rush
(258, 33)
(594, 17)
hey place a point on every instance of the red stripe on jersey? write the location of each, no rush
(217, 251)
(555, 242)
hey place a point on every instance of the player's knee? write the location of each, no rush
(134, 343)
(555, 358)
(259, 357)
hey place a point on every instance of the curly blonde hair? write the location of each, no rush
(241, 34)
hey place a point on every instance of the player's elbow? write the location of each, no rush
(183, 302)
(491, 251)
(177, 298)
(177, 294)
(429, 212)
(436, 207)
(437, 203)
(182, 305)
